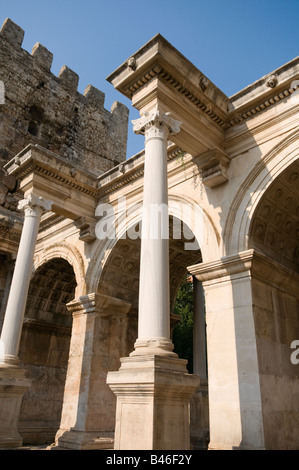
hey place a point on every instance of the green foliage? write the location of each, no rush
(183, 331)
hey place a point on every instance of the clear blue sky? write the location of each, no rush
(232, 42)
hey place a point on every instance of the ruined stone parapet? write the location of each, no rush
(41, 108)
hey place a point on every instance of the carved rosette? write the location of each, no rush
(34, 206)
(156, 124)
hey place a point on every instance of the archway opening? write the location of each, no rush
(274, 229)
(44, 349)
(182, 334)
(274, 232)
(120, 276)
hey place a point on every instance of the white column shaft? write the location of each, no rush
(154, 264)
(15, 310)
(154, 314)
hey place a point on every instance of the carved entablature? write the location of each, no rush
(265, 93)
(157, 74)
(164, 77)
(201, 103)
(39, 171)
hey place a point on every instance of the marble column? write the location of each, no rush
(33, 207)
(152, 386)
(154, 311)
(13, 380)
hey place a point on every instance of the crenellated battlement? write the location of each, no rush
(12, 32)
(44, 109)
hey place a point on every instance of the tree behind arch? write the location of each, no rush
(183, 331)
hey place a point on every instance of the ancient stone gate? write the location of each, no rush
(87, 304)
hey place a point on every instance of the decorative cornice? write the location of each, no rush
(48, 220)
(98, 304)
(238, 117)
(124, 174)
(159, 60)
(39, 169)
(121, 180)
(9, 233)
(32, 159)
(223, 267)
(72, 190)
(43, 325)
(224, 122)
(252, 263)
(194, 98)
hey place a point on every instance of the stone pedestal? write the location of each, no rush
(13, 385)
(152, 411)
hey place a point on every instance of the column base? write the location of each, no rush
(152, 411)
(13, 385)
(153, 347)
(82, 440)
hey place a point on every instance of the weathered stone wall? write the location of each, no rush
(43, 109)
(277, 325)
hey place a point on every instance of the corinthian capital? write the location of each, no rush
(34, 205)
(156, 119)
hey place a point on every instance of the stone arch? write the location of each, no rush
(70, 254)
(204, 232)
(237, 228)
(116, 269)
(274, 228)
(273, 235)
(202, 226)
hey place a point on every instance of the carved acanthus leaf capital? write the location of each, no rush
(34, 205)
(156, 119)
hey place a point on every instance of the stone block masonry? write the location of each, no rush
(40, 108)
